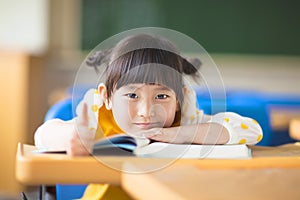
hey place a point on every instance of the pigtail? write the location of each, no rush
(191, 66)
(97, 59)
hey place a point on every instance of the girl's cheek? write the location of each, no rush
(129, 110)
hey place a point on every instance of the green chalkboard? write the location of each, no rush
(231, 26)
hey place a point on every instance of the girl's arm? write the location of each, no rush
(73, 135)
(204, 133)
(77, 135)
(222, 128)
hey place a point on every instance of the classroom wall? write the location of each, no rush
(24, 25)
(279, 74)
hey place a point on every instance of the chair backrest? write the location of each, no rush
(61, 110)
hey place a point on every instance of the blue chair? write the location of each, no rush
(257, 105)
(63, 110)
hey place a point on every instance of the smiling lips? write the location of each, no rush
(147, 125)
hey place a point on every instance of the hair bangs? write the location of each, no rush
(147, 66)
(153, 73)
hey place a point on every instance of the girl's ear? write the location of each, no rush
(103, 93)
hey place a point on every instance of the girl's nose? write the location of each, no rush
(145, 109)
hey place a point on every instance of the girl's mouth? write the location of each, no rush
(147, 125)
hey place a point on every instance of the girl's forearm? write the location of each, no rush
(210, 133)
(205, 133)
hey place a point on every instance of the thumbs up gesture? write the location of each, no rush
(82, 139)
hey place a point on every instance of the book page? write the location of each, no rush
(166, 150)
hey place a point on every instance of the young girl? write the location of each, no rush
(145, 94)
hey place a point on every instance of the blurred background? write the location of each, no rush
(255, 44)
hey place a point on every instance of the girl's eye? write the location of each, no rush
(132, 95)
(162, 96)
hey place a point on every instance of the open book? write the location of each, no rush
(125, 145)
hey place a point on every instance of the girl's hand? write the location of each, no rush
(82, 139)
(168, 135)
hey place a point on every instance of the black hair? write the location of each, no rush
(146, 59)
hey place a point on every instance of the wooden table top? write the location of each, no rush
(35, 169)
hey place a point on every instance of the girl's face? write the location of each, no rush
(137, 107)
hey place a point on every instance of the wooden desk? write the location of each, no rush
(49, 169)
(192, 182)
(272, 173)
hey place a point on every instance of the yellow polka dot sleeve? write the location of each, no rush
(242, 130)
(93, 101)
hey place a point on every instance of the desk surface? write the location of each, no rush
(190, 182)
(35, 169)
